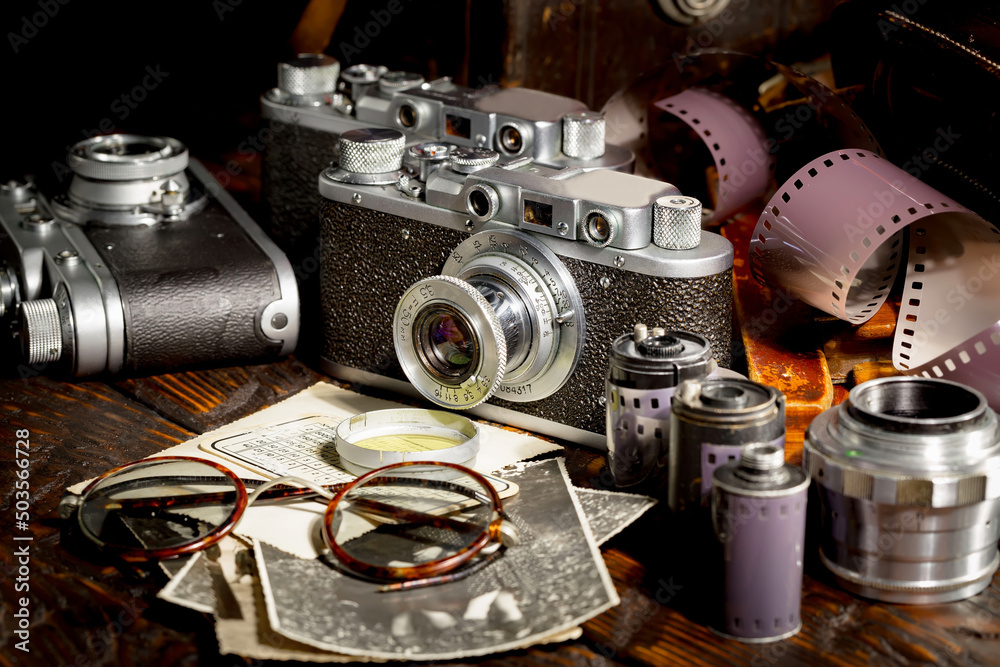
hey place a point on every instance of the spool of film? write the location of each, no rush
(833, 236)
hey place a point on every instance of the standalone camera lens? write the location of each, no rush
(599, 228)
(446, 342)
(407, 116)
(905, 471)
(511, 139)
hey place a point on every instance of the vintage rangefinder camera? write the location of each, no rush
(500, 287)
(315, 103)
(144, 264)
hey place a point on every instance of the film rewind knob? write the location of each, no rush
(41, 331)
(677, 222)
(583, 135)
(308, 74)
(371, 151)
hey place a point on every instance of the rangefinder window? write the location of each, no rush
(537, 213)
(458, 126)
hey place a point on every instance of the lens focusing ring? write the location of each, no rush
(459, 295)
(108, 158)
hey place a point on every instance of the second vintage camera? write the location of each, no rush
(144, 264)
(315, 102)
(500, 288)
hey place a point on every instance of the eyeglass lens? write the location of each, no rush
(114, 512)
(408, 516)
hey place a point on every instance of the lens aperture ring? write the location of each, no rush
(450, 294)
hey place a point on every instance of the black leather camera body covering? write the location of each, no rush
(193, 291)
(369, 258)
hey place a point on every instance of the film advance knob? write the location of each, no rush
(583, 135)
(308, 74)
(371, 151)
(677, 222)
(41, 331)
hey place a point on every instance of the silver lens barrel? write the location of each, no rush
(127, 157)
(908, 475)
(505, 317)
(711, 420)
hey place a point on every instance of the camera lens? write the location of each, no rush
(904, 470)
(511, 139)
(446, 342)
(508, 320)
(407, 116)
(127, 157)
(599, 228)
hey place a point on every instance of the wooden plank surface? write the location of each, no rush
(88, 612)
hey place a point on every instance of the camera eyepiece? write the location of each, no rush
(511, 139)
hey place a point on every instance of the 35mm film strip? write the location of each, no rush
(837, 233)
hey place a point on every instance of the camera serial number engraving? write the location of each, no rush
(516, 390)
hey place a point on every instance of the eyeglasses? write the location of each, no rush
(412, 523)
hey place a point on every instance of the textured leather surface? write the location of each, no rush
(293, 160)
(367, 265)
(192, 291)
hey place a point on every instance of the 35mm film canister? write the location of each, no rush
(759, 514)
(712, 419)
(643, 372)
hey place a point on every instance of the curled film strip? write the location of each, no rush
(736, 141)
(833, 236)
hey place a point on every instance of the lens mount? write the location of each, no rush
(543, 311)
(449, 342)
(127, 157)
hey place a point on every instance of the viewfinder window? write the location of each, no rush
(537, 213)
(458, 126)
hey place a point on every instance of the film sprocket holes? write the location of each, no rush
(315, 102)
(144, 264)
(644, 370)
(759, 515)
(510, 280)
(711, 421)
(908, 476)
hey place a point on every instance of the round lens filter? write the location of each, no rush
(378, 438)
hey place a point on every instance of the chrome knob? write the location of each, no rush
(583, 135)
(308, 74)
(677, 222)
(396, 80)
(468, 160)
(41, 331)
(371, 151)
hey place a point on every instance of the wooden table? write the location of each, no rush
(85, 613)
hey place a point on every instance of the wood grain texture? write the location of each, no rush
(781, 343)
(86, 611)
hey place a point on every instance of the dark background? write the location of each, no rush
(65, 64)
